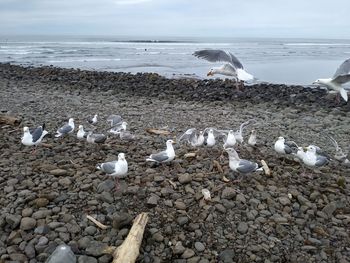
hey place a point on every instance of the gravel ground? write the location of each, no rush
(284, 217)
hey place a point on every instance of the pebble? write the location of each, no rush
(184, 178)
(199, 246)
(242, 227)
(27, 223)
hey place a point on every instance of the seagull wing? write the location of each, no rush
(246, 166)
(65, 129)
(343, 69)
(37, 133)
(341, 79)
(159, 157)
(188, 135)
(214, 55)
(109, 167)
(321, 160)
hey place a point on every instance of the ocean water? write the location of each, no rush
(289, 61)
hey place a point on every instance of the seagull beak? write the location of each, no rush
(305, 148)
(174, 142)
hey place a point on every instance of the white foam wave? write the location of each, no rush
(83, 60)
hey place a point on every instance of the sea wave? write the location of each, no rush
(83, 60)
(316, 44)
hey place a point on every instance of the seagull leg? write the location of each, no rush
(116, 181)
(34, 150)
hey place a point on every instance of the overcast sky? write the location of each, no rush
(200, 18)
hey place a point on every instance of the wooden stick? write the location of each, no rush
(129, 250)
(97, 223)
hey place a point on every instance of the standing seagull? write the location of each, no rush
(93, 120)
(341, 76)
(252, 138)
(230, 139)
(65, 129)
(34, 138)
(117, 169)
(312, 159)
(239, 165)
(233, 68)
(81, 134)
(285, 147)
(165, 156)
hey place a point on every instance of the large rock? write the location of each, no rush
(27, 223)
(228, 193)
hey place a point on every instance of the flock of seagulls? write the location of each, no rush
(234, 68)
(311, 156)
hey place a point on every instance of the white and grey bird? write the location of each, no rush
(285, 147)
(229, 139)
(239, 133)
(116, 169)
(66, 129)
(35, 137)
(117, 128)
(252, 138)
(92, 120)
(340, 77)
(210, 142)
(233, 67)
(339, 153)
(95, 137)
(81, 134)
(114, 119)
(126, 136)
(240, 165)
(312, 159)
(165, 156)
(190, 136)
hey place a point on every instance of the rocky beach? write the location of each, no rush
(283, 217)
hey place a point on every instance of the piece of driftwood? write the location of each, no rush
(266, 168)
(158, 132)
(129, 250)
(9, 120)
(218, 166)
(97, 223)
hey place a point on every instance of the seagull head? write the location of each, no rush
(121, 156)
(25, 129)
(124, 124)
(253, 132)
(311, 148)
(232, 153)
(201, 133)
(170, 142)
(81, 127)
(231, 132)
(322, 81)
(71, 121)
(211, 72)
(281, 139)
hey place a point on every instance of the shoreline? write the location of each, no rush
(282, 217)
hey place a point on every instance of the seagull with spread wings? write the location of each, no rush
(341, 76)
(233, 67)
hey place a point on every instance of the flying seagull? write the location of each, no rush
(191, 137)
(233, 67)
(65, 129)
(33, 138)
(340, 77)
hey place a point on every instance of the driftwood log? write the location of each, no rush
(9, 120)
(129, 250)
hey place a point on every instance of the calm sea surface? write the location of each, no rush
(290, 61)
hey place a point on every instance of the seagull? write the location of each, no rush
(240, 165)
(95, 138)
(114, 119)
(285, 147)
(126, 136)
(233, 67)
(165, 156)
(312, 159)
(230, 139)
(252, 138)
(117, 169)
(34, 138)
(239, 133)
(93, 120)
(117, 128)
(339, 153)
(340, 77)
(67, 128)
(210, 142)
(191, 137)
(81, 134)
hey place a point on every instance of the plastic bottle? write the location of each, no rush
(62, 254)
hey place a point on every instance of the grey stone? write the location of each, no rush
(188, 253)
(95, 248)
(228, 193)
(182, 220)
(178, 248)
(13, 220)
(330, 208)
(227, 256)
(27, 223)
(87, 259)
(121, 219)
(184, 178)
(199, 246)
(242, 227)
(152, 200)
